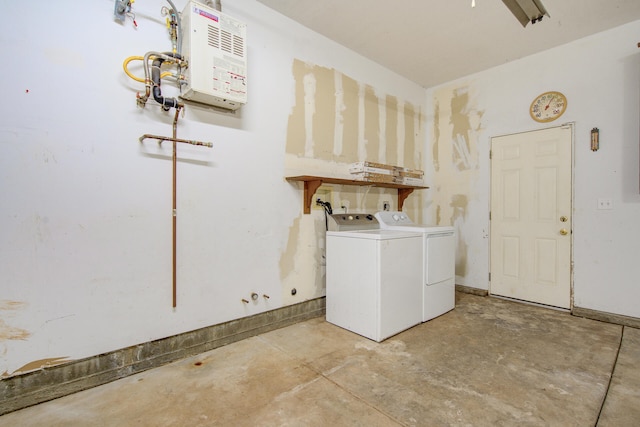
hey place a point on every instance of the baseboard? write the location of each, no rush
(49, 383)
(473, 291)
(603, 316)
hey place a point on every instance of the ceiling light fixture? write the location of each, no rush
(526, 11)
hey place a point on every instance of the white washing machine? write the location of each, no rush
(373, 277)
(438, 263)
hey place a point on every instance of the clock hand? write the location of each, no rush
(547, 107)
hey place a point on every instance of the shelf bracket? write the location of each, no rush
(403, 193)
(310, 188)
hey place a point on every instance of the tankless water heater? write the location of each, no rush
(214, 45)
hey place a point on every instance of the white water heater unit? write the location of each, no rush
(214, 45)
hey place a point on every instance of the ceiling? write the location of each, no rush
(435, 41)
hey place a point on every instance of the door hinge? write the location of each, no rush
(489, 215)
(489, 276)
(490, 154)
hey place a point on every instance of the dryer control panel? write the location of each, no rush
(393, 218)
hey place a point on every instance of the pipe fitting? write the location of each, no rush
(166, 103)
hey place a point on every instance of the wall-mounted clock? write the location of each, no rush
(548, 106)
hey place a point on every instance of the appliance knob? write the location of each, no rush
(395, 217)
(370, 217)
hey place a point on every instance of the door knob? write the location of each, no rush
(564, 232)
(563, 218)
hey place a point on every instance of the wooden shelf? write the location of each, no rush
(311, 184)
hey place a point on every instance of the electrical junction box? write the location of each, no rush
(214, 45)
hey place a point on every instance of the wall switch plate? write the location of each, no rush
(605, 204)
(120, 10)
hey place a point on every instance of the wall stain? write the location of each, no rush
(461, 127)
(6, 305)
(8, 332)
(436, 138)
(287, 260)
(459, 203)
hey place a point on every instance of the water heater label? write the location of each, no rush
(204, 13)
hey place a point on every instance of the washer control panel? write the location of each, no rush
(353, 221)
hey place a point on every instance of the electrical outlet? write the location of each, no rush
(605, 204)
(342, 207)
(323, 193)
(383, 205)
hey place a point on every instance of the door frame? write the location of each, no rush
(572, 125)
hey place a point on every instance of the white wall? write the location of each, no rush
(600, 75)
(85, 209)
(85, 221)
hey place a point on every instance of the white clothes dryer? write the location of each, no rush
(373, 277)
(438, 261)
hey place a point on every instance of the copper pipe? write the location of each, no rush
(166, 138)
(175, 200)
(174, 211)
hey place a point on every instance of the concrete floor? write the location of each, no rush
(489, 362)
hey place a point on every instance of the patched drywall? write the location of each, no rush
(336, 121)
(459, 203)
(457, 126)
(460, 132)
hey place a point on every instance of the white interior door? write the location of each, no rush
(531, 216)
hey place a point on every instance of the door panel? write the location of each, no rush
(530, 193)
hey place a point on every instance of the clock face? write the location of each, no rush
(548, 107)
